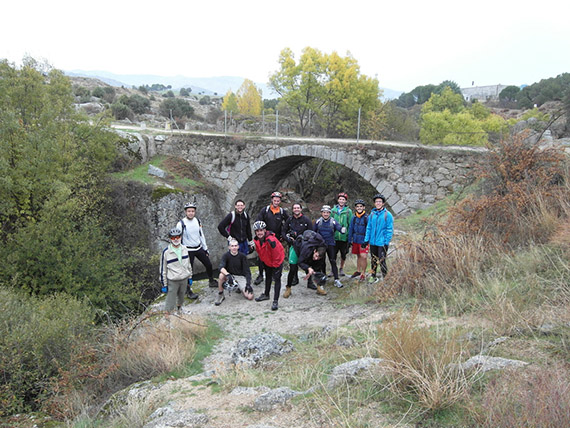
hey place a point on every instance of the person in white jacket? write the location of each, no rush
(175, 270)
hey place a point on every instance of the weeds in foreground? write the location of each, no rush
(422, 366)
(534, 397)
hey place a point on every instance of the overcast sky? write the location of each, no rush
(403, 43)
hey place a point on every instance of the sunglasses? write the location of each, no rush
(175, 237)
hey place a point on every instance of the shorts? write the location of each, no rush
(293, 258)
(342, 247)
(357, 249)
(241, 282)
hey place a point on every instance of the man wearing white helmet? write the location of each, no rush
(175, 271)
(193, 238)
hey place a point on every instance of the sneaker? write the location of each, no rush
(330, 275)
(219, 299)
(355, 274)
(192, 295)
(311, 286)
(362, 277)
(258, 280)
(213, 283)
(372, 279)
(295, 281)
(274, 305)
(261, 298)
(337, 283)
(341, 273)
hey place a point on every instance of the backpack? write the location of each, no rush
(320, 221)
(234, 219)
(184, 227)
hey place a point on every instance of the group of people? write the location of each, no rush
(277, 234)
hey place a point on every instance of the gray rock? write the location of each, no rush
(181, 418)
(345, 342)
(349, 371)
(494, 343)
(250, 351)
(153, 170)
(275, 397)
(485, 363)
(243, 390)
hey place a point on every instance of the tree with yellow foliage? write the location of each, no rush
(249, 100)
(230, 103)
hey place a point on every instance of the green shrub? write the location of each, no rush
(37, 338)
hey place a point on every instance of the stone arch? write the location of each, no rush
(263, 175)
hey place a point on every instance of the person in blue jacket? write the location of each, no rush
(326, 226)
(379, 233)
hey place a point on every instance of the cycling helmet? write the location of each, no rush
(174, 232)
(359, 201)
(343, 194)
(230, 284)
(379, 196)
(189, 205)
(276, 195)
(320, 278)
(258, 225)
(326, 208)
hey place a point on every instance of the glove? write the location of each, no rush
(230, 278)
(190, 281)
(343, 230)
(364, 245)
(248, 289)
(164, 289)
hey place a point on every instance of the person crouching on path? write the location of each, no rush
(271, 254)
(175, 270)
(311, 250)
(356, 235)
(234, 266)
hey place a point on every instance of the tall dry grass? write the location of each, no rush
(422, 365)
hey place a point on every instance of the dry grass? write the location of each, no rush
(144, 350)
(534, 397)
(422, 365)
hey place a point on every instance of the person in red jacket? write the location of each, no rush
(271, 254)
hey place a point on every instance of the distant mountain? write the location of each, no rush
(200, 85)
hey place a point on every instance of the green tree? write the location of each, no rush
(447, 100)
(249, 99)
(230, 103)
(510, 93)
(185, 92)
(178, 107)
(205, 100)
(53, 165)
(300, 85)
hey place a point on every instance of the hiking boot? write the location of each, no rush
(261, 298)
(337, 283)
(311, 285)
(219, 299)
(287, 293)
(258, 280)
(355, 274)
(274, 305)
(192, 295)
(295, 281)
(321, 291)
(212, 283)
(341, 273)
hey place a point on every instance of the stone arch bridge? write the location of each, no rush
(411, 176)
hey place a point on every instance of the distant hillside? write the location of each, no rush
(200, 85)
(205, 85)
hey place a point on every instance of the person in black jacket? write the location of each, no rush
(274, 217)
(311, 248)
(236, 225)
(294, 226)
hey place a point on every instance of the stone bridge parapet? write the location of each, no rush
(411, 176)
